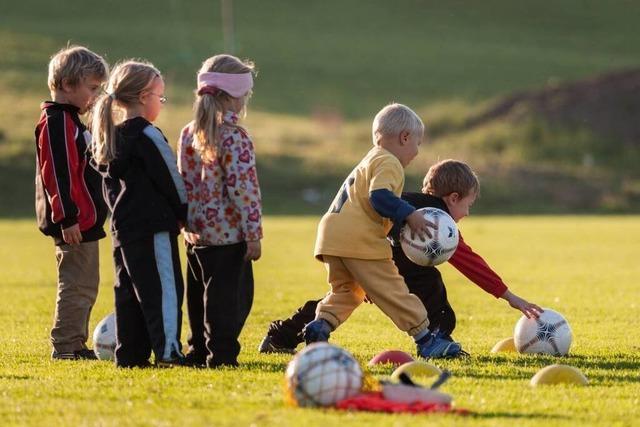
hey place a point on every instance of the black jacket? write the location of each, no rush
(68, 189)
(142, 185)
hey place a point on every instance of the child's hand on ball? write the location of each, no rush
(531, 310)
(419, 225)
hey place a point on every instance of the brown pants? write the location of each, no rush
(351, 279)
(78, 279)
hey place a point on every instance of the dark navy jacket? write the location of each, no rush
(142, 185)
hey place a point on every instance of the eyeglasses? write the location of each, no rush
(163, 99)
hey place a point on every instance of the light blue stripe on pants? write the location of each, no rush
(164, 262)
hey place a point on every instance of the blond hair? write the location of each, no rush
(393, 119)
(72, 64)
(450, 176)
(209, 109)
(128, 81)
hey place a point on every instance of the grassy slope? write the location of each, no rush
(584, 267)
(442, 58)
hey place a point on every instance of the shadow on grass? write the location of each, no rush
(613, 368)
(265, 366)
(517, 415)
(16, 377)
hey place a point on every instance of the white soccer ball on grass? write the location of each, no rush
(548, 334)
(104, 338)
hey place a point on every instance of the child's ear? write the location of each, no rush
(453, 197)
(404, 137)
(142, 98)
(66, 85)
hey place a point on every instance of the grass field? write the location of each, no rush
(585, 267)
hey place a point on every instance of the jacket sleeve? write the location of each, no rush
(241, 180)
(59, 164)
(475, 268)
(161, 165)
(389, 205)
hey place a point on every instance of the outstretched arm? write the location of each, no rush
(476, 269)
(527, 308)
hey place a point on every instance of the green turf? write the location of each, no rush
(584, 267)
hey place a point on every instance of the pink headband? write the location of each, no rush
(236, 85)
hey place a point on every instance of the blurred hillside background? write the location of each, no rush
(541, 98)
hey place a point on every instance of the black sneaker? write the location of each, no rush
(195, 359)
(267, 346)
(84, 354)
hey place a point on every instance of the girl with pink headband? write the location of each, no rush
(224, 228)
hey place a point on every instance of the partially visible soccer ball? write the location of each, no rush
(322, 374)
(436, 250)
(104, 338)
(548, 334)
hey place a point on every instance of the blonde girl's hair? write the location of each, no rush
(393, 119)
(128, 81)
(450, 176)
(209, 109)
(72, 64)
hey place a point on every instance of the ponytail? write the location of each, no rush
(208, 109)
(103, 147)
(128, 80)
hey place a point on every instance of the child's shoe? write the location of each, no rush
(176, 359)
(269, 346)
(433, 346)
(84, 354)
(195, 359)
(317, 330)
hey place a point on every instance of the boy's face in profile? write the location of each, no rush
(84, 93)
(459, 206)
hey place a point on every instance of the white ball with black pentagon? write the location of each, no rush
(548, 334)
(104, 338)
(435, 250)
(323, 374)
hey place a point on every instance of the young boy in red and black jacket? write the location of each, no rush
(69, 203)
(449, 185)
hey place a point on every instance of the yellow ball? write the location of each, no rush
(505, 345)
(416, 370)
(559, 374)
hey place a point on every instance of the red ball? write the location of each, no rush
(393, 357)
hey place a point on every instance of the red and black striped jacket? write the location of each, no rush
(68, 189)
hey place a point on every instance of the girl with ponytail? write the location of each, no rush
(147, 199)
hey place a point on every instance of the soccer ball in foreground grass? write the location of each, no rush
(322, 374)
(104, 338)
(549, 334)
(436, 250)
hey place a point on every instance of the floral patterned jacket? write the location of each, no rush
(223, 195)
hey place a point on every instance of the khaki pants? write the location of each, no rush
(352, 278)
(78, 279)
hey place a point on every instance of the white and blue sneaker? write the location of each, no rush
(434, 346)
